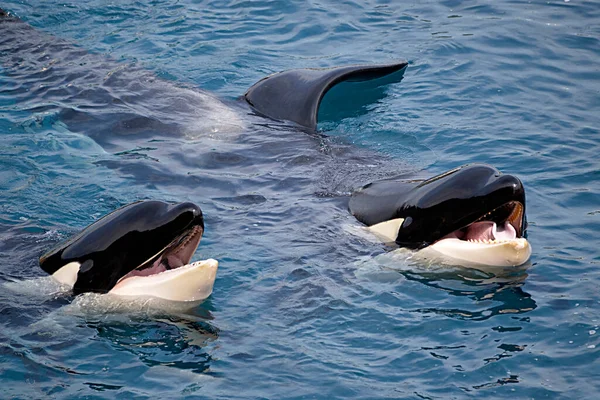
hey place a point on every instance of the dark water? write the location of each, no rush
(302, 307)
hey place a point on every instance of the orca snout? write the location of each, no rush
(191, 211)
(512, 187)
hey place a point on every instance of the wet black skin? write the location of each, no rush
(440, 205)
(122, 241)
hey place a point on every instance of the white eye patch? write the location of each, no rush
(387, 231)
(67, 275)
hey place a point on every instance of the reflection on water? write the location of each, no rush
(71, 342)
(168, 341)
(494, 292)
(504, 296)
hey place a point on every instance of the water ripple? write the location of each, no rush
(302, 306)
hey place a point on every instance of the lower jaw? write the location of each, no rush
(192, 282)
(507, 253)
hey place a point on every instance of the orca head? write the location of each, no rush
(472, 214)
(143, 248)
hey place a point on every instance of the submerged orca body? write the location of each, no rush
(141, 249)
(290, 96)
(471, 215)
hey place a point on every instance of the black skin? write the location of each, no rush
(440, 205)
(120, 242)
(296, 95)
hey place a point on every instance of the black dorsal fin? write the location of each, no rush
(295, 95)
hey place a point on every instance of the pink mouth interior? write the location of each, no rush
(177, 255)
(485, 230)
(161, 264)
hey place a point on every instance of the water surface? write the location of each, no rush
(302, 307)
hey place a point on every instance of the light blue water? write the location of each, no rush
(301, 307)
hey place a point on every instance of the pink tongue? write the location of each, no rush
(480, 231)
(506, 232)
(487, 230)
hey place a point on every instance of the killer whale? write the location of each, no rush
(141, 249)
(471, 215)
(68, 72)
(291, 98)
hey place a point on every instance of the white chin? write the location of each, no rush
(192, 282)
(502, 253)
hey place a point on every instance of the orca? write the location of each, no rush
(135, 103)
(69, 73)
(470, 215)
(141, 249)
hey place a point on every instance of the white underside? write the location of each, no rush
(191, 282)
(387, 231)
(67, 275)
(500, 253)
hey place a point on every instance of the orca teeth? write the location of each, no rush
(488, 241)
(181, 253)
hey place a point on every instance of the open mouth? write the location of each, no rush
(502, 224)
(176, 255)
(492, 240)
(169, 275)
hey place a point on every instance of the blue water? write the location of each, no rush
(302, 307)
